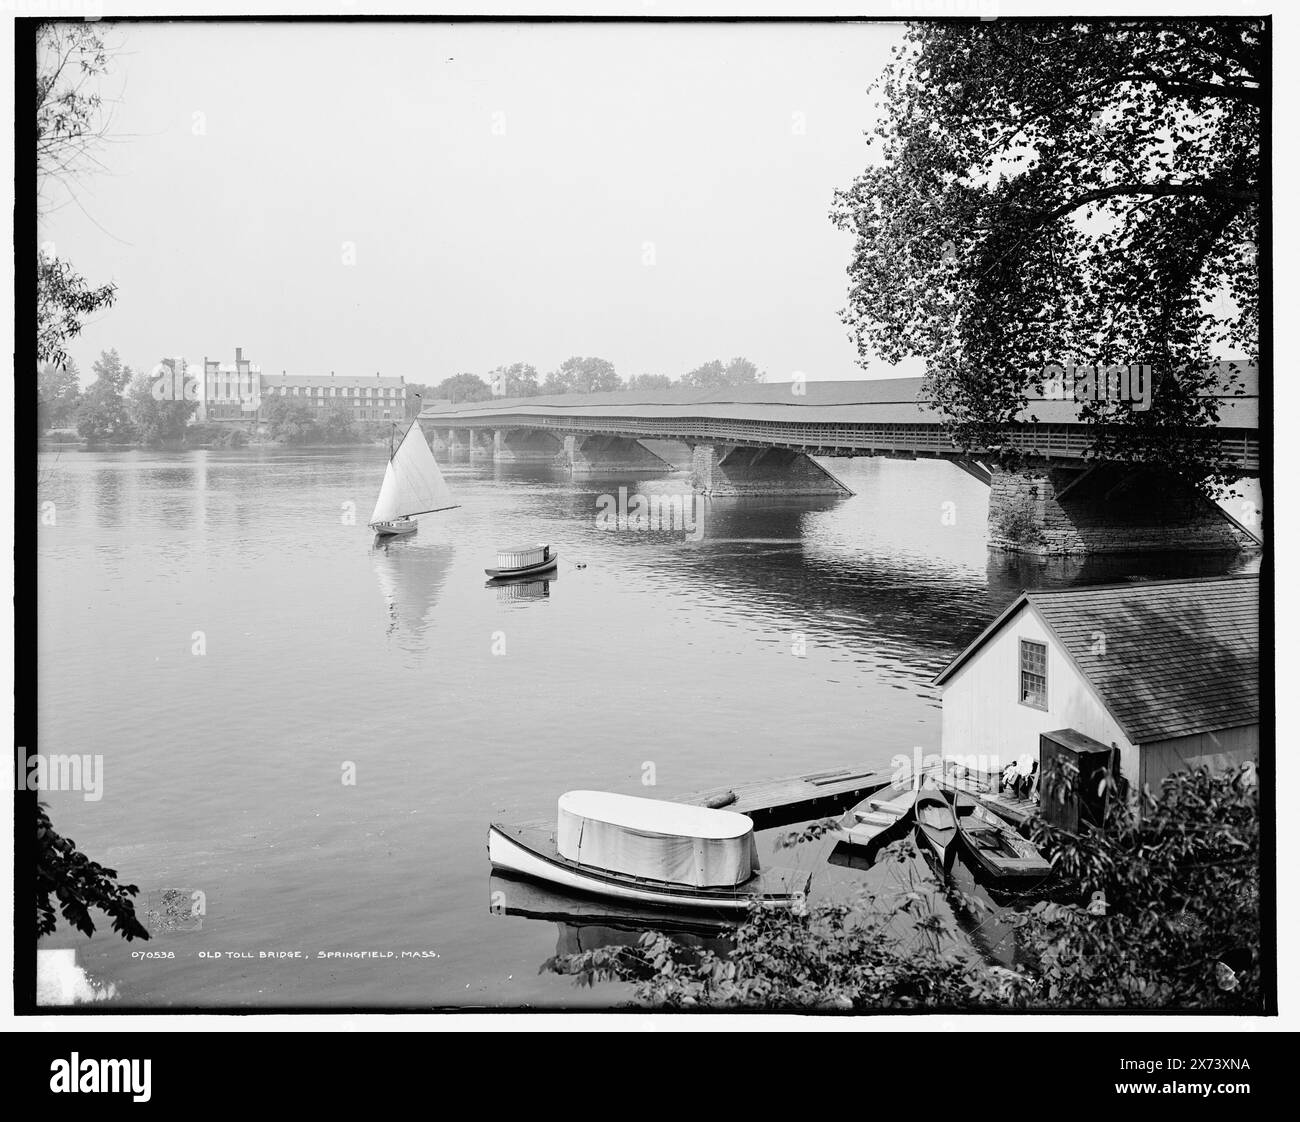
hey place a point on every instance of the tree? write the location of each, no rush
(102, 414)
(58, 393)
(290, 421)
(70, 123)
(464, 387)
(650, 382)
(1068, 192)
(337, 425)
(63, 301)
(155, 419)
(582, 375)
(519, 379)
(416, 395)
(715, 376)
(1159, 909)
(78, 884)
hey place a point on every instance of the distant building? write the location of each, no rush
(240, 392)
(226, 391)
(369, 399)
(1167, 672)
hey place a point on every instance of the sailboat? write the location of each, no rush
(412, 485)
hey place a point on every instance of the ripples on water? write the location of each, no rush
(224, 772)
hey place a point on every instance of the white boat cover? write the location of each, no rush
(675, 843)
(521, 556)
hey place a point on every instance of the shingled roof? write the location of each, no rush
(1168, 658)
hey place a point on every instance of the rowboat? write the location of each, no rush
(523, 561)
(994, 844)
(646, 852)
(876, 814)
(936, 824)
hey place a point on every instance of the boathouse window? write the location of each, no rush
(1033, 673)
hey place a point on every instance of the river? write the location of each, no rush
(309, 735)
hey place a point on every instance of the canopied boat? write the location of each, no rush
(647, 851)
(413, 484)
(524, 561)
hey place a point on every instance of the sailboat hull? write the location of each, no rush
(395, 528)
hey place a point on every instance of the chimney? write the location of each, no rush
(239, 354)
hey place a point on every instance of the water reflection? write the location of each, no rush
(521, 589)
(410, 575)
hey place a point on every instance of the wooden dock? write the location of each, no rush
(800, 798)
(795, 798)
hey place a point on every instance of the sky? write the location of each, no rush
(426, 199)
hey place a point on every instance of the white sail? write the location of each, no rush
(412, 484)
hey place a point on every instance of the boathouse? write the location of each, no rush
(1167, 672)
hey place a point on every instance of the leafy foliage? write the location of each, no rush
(650, 382)
(58, 392)
(519, 379)
(464, 387)
(831, 957)
(715, 376)
(155, 421)
(63, 301)
(71, 57)
(336, 424)
(1072, 192)
(78, 884)
(290, 421)
(1158, 910)
(1172, 890)
(582, 375)
(102, 414)
(215, 435)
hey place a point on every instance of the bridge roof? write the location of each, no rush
(876, 401)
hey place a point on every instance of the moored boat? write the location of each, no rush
(936, 824)
(994, 844)
(648, 852)
(524, 561)
(890, 807)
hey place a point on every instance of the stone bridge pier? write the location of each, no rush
(721, 469)
(455, 443)
(524, 446)
(1108, 508)
(601, 454)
